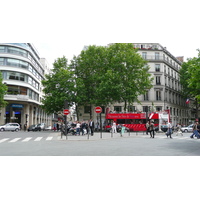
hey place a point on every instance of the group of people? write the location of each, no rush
(151, 129)
(85, 127)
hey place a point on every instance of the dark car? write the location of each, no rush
(33, 127)
(164, 128)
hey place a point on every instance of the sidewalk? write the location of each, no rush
(101, 136)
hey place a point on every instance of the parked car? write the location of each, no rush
(187, 128)
(41, 126)
(10, 127)
(33, 127)
(48, 128)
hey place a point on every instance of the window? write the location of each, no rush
(157, 56)
(158, 95)
(17, 63)
(118, 108)
(146, 96)
(2, 49)
(1, 61)
(17, 51)
(158, 80)
(144, 55)
(131, 108)
(158, 108)
(157, 67)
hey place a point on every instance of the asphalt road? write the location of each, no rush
(48, 143)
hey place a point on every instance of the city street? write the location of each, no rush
(49, 143)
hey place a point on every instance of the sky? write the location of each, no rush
(62, 28)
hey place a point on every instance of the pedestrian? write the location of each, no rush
(91, 125)
(114, 127)
(178, 129)
(122, 130)
(78, 125)
(57, 126)
(147, 127)
(169, 130)
(54, 126)
(152, 129)
(25, 127)
(195, 131)
(83, 128)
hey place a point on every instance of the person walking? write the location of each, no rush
(114, 127)
(122, 130)
(58, 126)
(25, 127)
(147, 127)
(78, 125)
(152, 129)
(178, 130)
(169, 130)
(195, 131)
(91, 125)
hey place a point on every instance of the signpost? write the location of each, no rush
(98, 109)
(66, 112)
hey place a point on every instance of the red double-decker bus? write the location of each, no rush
(133, 121)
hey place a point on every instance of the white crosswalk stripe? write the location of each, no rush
(49, 138)
(15, 140)
(3, 140)
(38, 138)
(27, 139)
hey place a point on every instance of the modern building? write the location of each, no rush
(166, 91)
(23, 70)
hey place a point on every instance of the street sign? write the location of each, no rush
(66, 112)
(98, 109)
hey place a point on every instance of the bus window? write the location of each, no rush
(120, 121)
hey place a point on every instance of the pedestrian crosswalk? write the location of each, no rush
(49, 138)
(174, 137)
(27, 139)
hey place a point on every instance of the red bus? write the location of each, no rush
(133, 121)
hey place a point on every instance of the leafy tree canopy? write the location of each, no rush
(3, 90)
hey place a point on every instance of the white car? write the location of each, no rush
(10, 127)
(187, 128)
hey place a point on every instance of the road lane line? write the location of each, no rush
(27, 139)
(3, 140)
(38, 138)
(49, 138)
(15, 140)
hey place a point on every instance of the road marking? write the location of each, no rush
(49, 138)
(27, 139)
(38, 138)
(3, 140)
(15, 140)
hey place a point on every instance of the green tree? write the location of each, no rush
(58, 87)
(116, 73)
(3, 90)
(189, 78)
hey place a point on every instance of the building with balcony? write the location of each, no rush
(23, 70)
(166, 91)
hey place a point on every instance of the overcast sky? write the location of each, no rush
(61, 27)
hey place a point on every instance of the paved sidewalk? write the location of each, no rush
(103, 136)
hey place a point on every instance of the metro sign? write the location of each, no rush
(66, 112)
(98, 109)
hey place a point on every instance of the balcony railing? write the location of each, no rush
(160, 59)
